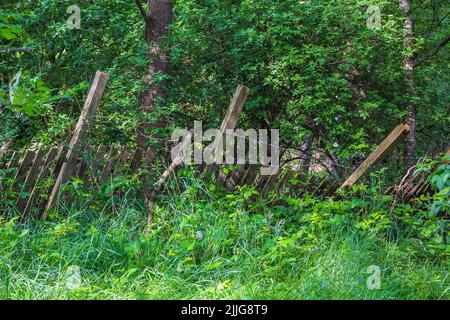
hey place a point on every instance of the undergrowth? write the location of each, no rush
(208, 244)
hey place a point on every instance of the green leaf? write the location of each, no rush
(7, 34)
(214, 265)
(187, 244)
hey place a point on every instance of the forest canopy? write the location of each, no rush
(315, 68)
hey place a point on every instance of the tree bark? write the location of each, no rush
(157, 19)
(409, 65)
(304, 157)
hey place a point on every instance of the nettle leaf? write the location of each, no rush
(7, 34)
(31, 99)
(434, 179)
(436, 207)
(440, 184)
(187, 244)
(214, 265)
(9, 31)
(445, 177)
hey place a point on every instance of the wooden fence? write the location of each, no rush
(38, 176)
(32, 175)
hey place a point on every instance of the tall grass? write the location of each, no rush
(205, 244)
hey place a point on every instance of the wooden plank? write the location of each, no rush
(51, 155)
(108, 166)
(149, 155)
(13, 163)
(53, 171)
(320, 187)
(222, 178)
(235, 108)
(240, 175)
(79, 136)
(379, 153)
(123, 158)
(304, 186)
(59, 161)
(84, 163)
(26, 162)
(261, 181)
(5, 159)
(286, 178)
(101, 156)
(120, 167)
(30, 179)
(271, 181)
(85, 121)
(93, 176)
(250, 175)
(236, 177)
(231, 117)
(136, 160)
(5, 147)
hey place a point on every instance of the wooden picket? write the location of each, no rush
(13, 163)
(24, 166)
(30, 179)
(107, 166)
(49, 158)
(93, 168)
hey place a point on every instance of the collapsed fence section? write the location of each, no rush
(37, 178)
(30, 177)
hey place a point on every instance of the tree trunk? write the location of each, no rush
(304, 157)
(411, 119)
(157, 19)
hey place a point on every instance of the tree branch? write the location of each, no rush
(10, 105)
(441, 45)
(438, 24)
(141, 10)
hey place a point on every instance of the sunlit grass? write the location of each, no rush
(207, 247)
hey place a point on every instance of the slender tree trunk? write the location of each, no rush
(157, 19)
(409, 64)
(304, 157)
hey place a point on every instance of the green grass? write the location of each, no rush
(246, 252)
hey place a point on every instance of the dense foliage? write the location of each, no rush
(316, 70)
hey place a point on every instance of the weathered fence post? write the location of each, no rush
(381, 151)
(232, 116)
(79, 136)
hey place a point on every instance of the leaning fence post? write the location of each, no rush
(79, 136)
(381, 151)
(231, 118)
